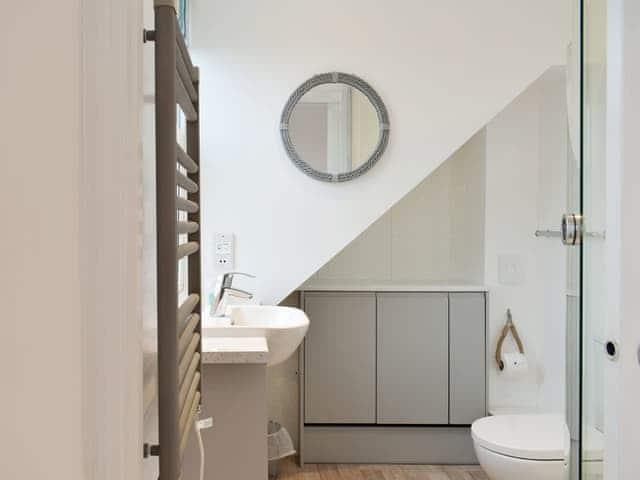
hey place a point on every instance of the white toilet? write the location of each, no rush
(522, 447)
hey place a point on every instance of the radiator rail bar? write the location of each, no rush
(186, 161)
(187, 227)
(179, 326)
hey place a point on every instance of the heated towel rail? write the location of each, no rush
(177, 171)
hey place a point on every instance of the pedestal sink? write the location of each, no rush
(282, 327)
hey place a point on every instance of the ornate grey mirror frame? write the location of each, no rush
(369, 92)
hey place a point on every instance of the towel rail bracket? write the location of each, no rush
(148, 35)
(149, 450)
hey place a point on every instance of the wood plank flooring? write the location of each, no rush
(290, 471)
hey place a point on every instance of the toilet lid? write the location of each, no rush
(532, 436)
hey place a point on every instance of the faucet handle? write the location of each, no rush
(226, 279)
(240, 274)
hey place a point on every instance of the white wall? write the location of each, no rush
(71, 400)
(433, 235)
(525, 191)
(623, 171)
(41, 320)
(443, 69)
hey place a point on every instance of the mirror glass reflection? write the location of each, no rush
(334, 128)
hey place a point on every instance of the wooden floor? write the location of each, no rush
(290, 471)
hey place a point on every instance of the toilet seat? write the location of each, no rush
(527, 437)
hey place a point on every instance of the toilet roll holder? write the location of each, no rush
(508, 327)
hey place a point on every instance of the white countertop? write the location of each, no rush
(389, 287)
(221, 350)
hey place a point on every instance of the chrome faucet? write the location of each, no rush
(223, 287)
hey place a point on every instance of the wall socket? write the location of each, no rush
(224, 250)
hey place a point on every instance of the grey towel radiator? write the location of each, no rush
(179, 326)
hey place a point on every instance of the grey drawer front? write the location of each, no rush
(340, 356)
(413, 357)
(421, 445)
(467, 357)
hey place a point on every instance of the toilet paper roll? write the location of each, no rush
(515, 363)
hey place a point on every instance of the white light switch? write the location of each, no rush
(224, 250)
(511, 270)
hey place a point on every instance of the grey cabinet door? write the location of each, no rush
(413, 357)
(467, 357)
(340, 356)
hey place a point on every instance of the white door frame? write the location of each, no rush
(110, 200)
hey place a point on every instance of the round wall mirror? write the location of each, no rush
(334, 127)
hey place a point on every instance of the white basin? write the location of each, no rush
(282, 327)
